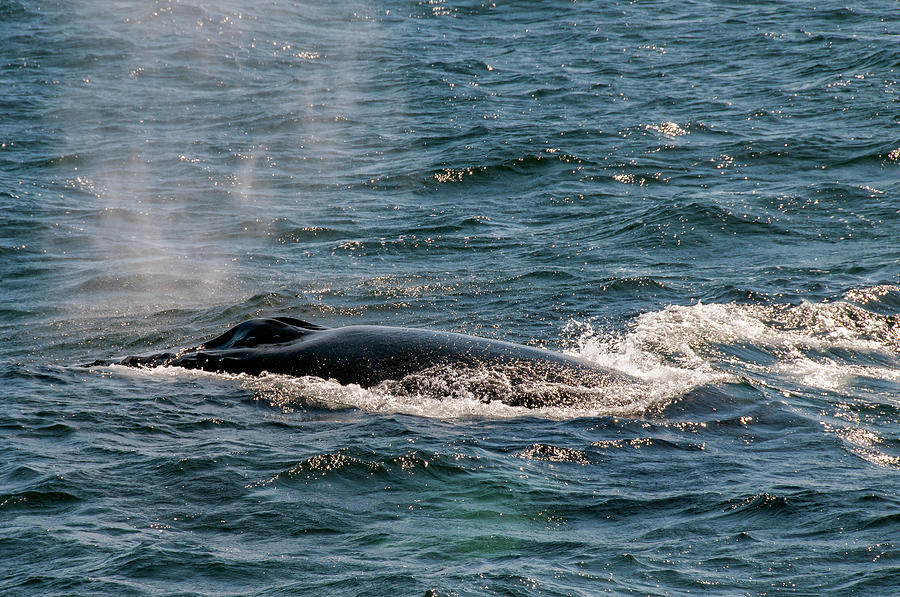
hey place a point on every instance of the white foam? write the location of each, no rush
(661, 349)
(626, 398)
(683, 345)
(831, 375)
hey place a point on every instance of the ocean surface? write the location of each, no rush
(703, 195)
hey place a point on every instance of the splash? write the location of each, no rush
(694, 344)
(656, 350)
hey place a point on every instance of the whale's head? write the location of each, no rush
(262, 331)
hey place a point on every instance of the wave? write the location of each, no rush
(526, 165)
(353, 463)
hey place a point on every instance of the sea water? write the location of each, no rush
(703, 195)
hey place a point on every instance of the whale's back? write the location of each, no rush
(369, 355)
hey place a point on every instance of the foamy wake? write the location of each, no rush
(843, 354)
(810, 344)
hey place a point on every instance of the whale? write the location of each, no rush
(368, 355)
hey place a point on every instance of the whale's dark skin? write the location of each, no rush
(367, 355)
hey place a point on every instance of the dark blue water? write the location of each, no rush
(704, 195)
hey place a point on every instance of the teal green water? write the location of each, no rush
(702, 195)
